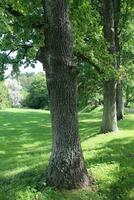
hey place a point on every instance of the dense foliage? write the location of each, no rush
(89, 87)
(23, 35)
(37, 93)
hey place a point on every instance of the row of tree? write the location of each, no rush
(42, 30)
(30, 90)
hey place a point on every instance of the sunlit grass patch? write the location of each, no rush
(25, 146)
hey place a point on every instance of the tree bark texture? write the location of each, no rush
(109, 120)
(66, 166)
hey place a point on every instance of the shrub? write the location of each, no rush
(38, 95)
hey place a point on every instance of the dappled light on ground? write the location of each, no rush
(25, 146)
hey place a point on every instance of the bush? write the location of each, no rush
(38, 94)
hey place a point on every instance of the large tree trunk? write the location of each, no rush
(66, 167)
(119, 101)
(109, 120)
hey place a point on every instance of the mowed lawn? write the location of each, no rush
(25, 146)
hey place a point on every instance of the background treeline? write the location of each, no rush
(30, 90)
(22, 43)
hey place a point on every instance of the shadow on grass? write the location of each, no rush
(89, 125)
(127, 124)
(30, 178)
(113, 155)
(25, 141)
(89, 130)
(117, 156)
(25, 145)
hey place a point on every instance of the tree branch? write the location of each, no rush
(89, 60)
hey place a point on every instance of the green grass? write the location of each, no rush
(25, 146)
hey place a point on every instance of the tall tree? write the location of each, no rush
(124, 38)
(66, 167)
(119, 89)
(109, 121)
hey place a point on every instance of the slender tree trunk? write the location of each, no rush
(109, 120)
(66, 166)
(119, 101)
(127, 98)
(119, 90)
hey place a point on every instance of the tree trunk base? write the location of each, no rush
(71, 173)
(108, 130)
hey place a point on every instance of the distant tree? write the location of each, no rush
(14, 89)
(25, 80)
(117, 18)
(109, 121)
(4, 96)
(37, 92)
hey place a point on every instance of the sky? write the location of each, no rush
(38, 68)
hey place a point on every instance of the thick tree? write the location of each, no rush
(66, 167)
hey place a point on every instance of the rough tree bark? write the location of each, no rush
(109, 120)
(66, 167)
(109, 123)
